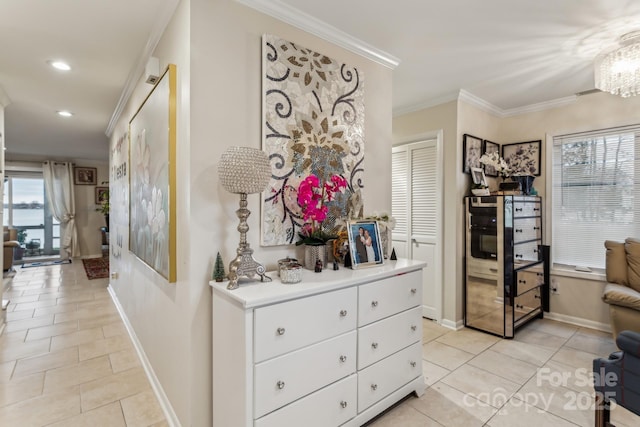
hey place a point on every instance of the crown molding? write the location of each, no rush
(480, 103)
(540, 106)
(134, 75)
(4, 98)
(311, 24)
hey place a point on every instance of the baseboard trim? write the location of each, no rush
(578, 321)
(455, 325)
(168, 411)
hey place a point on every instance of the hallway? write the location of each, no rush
(65, 356)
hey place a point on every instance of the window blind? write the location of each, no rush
(595, 193)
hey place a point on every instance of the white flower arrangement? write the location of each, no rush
(498, 163)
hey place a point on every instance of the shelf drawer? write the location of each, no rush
(526, 303)
(280, 381)
(382, 378)
(525, 209)
(284, 327)
(389, 296)
(381, 339)
(527, 229)
(332, 406)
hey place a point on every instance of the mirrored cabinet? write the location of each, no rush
(507, 266)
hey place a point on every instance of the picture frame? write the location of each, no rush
(478, 176)
(523, 157)
(489, 148)
(85, 176)
(471, 152)
(364, 241)
(100, 192)
(152, 194)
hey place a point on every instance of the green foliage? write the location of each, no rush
(218, 269)
(22, 236)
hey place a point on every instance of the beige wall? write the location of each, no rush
(578, 299)
(217, 49)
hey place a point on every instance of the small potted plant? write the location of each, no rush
(480, 190)
(18, 252)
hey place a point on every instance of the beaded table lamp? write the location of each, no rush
(244, 170)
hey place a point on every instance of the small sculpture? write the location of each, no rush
(218, 269)
(318, 268)
(335, 265)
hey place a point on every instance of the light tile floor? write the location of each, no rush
(65, 356)
(540, 378)
(66, 360)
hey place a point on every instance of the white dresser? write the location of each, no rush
(336, 349)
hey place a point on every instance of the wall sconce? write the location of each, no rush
(244, 170)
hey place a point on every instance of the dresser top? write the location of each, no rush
(252, 294)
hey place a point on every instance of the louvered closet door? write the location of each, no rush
(416, 206)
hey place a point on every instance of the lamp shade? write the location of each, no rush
(244, 170)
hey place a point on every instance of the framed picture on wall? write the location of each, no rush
(471, 152)
(102, 194)
(85, 176)
(489, 148)
(523, 157)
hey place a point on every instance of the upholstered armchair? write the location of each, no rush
(622, 291)
(617, 378)
(10, 243)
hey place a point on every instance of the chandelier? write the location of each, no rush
(618, 72)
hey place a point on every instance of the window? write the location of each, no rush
(596, 193)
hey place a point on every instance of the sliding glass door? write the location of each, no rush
(26, 209)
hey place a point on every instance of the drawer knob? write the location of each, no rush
(280, 385)
(522, 281)
(281, 331)
(518, 255)
(518, 209)
(413, 328)
(374, 387)
(374, 345)
(518, 230)
(413, 364)
(519, 306)
(536, 228)
(343, 313)
(414, 290)
(343, 404)
(374, 303)
(343, 358)
(536, 296)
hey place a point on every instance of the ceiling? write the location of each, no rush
(510, 53)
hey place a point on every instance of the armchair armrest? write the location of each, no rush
(629, 342)
(11, 243)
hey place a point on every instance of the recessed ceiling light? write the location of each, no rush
(59, 65)
(64, 113)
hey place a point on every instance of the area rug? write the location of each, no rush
(45, 263)
(96, 268)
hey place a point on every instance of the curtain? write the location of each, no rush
(58, 181)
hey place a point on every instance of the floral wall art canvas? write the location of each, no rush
(313, 108)
(152, 236)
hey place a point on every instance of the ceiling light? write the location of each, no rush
(59, 65)
(64, 113)
(618, 72)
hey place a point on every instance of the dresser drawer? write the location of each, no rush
(389, 296)
(381, 339)
(524, 209)
(382, 378)
(284, 379)
(526, 303)
(527, 229)
(482, 268)
(529, 279)
(284, 327)
(331, 406)
(526, 253)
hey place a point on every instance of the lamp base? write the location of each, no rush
(244, 265)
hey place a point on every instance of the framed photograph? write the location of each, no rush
(364, 244)
(471, 152)
(85, 176)
(489, 148)
(523, 157)
(152, 192)
(101, 192)
(477, 174)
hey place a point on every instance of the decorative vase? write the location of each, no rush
(313, 253)
(526, 183)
